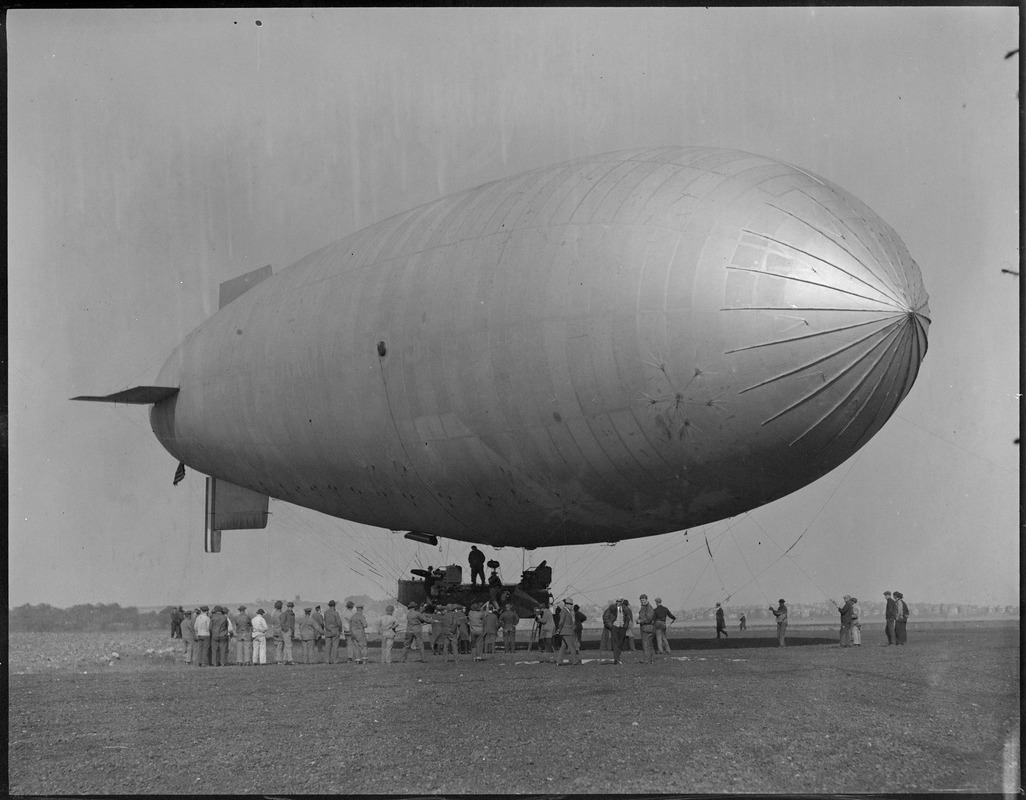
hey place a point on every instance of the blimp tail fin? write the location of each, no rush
(137, 395)
(230, 508)
(229, 290)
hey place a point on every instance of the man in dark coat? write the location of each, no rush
(617, 619)
(476, 560)
(721, 623)
(890, 615)
(218, 638)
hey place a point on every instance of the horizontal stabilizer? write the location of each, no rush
(229, 290)
(137, 395)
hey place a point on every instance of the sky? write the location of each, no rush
(153, 154)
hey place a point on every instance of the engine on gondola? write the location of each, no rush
(443, 585)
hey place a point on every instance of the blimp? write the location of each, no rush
(615, 347)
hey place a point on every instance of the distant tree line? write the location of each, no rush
(91, 617)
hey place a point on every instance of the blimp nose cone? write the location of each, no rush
(829, 322)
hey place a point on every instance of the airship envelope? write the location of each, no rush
(615, 347)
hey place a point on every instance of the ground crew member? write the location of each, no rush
(332, 631)
(450, 630)
(202, 637)
(309, 630)
(617, 619)
(358, 628)
(721, 623)
(188, 636)
(318, 617)
(781, 614)
(288, 629)
(347, 631)
(662, 613)
(477, 560)
(218, 638)
(259, 626)
(646, 622)
(387, 627)
(890, 615)
(414, 631)
(508, 620)
(243, 638)
(567, 636)
(275, 633)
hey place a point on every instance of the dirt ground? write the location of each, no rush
(941, 714)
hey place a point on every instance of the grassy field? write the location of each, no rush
(739, 716)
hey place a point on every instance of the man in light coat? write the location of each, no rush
(202, 637)
(259, 628)
(388, 625)
(188, 636)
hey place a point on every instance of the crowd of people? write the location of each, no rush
(217, 637)
(329, 637)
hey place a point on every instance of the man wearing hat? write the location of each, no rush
(259, 627)
(387, 627)
(288, 628)
(218, 637)
(332, 631)
(202, 637)
(890, 615)
(319, 641)
(358, 629)
(274, 632)
(414, 631)
(900, 629)
(188, 636)
(568, 636)
(856, 627)
(347, 630)
(662, 614)
(780, 612)
(721, 623)
(617, 619)
(309, 630)
(646, 622)
(243, 637)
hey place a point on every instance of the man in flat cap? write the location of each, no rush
(188, 636)
(617, 619)
(568, 636)
(662, 614)
(202, 637)
(243, 637)
(332, 631)
(900, 624)
(780, 612)
(646, 623)
(288, 630)
(890, 615)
